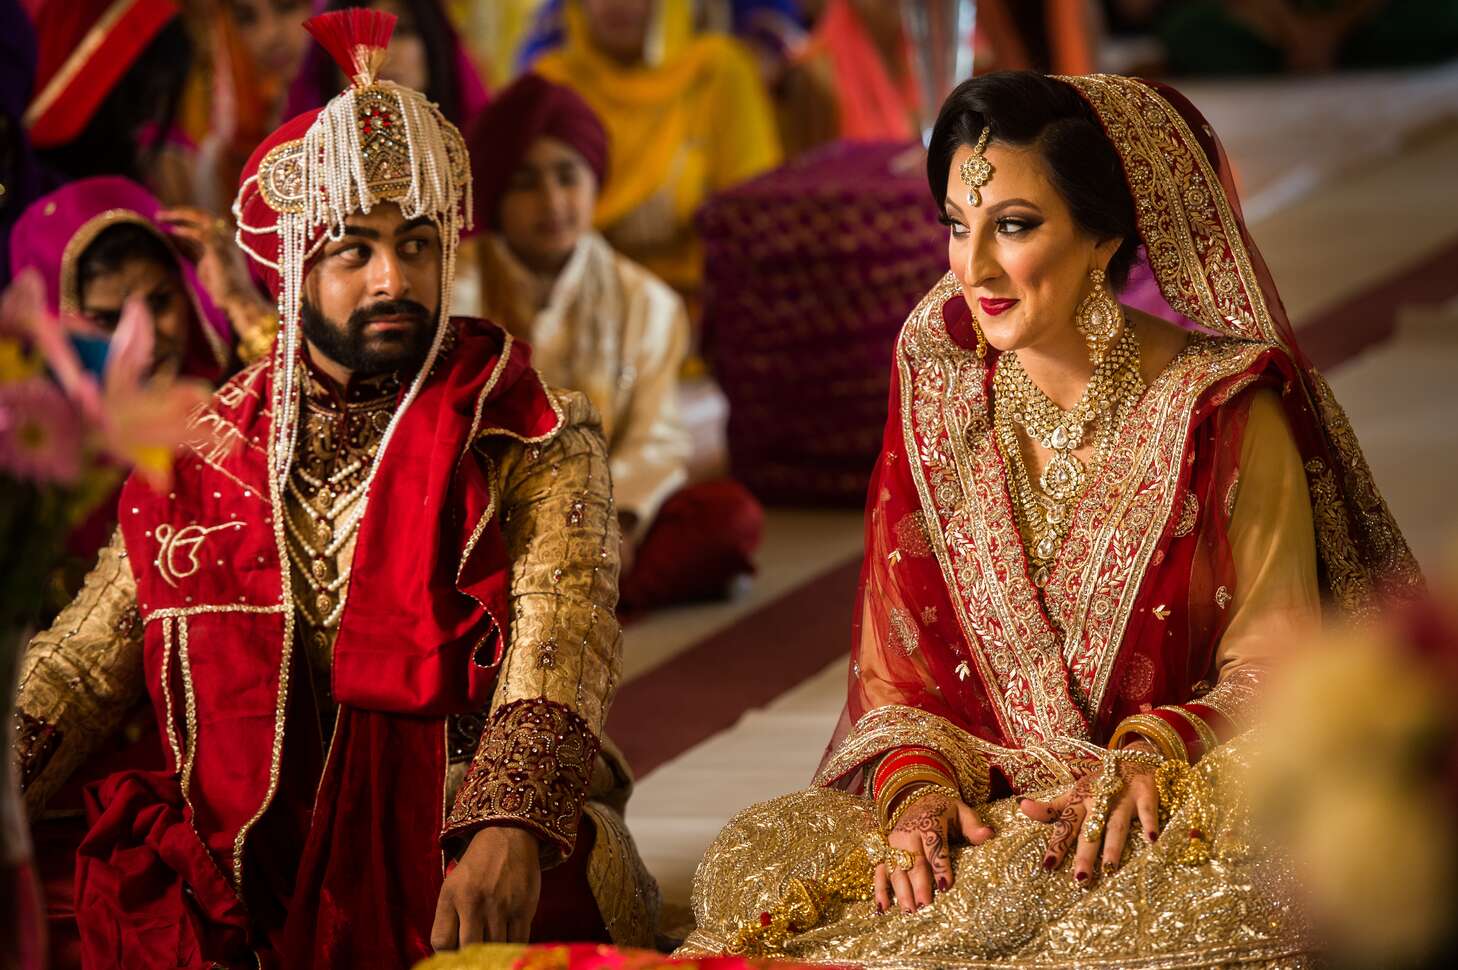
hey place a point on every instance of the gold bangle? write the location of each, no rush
(1207, 734)
(903, 779)
(917, 796)
(1154, 730)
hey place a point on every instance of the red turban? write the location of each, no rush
(252, 210)
(527, 109)
(86, 47)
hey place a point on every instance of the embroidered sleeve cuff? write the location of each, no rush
(531, 771)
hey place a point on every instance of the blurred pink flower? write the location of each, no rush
(143, 418)
(23, 311)
(130, 417)
(41, 434)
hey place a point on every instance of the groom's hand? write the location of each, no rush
(491, 895)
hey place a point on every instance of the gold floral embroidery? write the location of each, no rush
(904, 631)
(1189, 515)
(1387, 563)
(1189, 230)
(1344, 572)
(1231, 492)
(532, 769)
(895, 726)
(944, 417)
(929, 615)
(1204, 269)
(911, 537)
(1222, 597)
(1235, 696)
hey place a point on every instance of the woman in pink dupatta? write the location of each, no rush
(1042, 678)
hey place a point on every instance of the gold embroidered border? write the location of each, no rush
(531, 769)
(974, 535)
(288, 609)
(1119, 520)
(1185, 220)
(892, 726)
(79, 57)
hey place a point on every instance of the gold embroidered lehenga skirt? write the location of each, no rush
(1238, 909)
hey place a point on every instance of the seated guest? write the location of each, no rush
(109, 82)
(98, 242)
(601, 324)
(688, 116)
(426, 54)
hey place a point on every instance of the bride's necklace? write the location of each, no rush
(1045, 510)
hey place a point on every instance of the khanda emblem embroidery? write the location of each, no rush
(178, 549)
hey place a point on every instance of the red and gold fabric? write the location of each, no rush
(86, 46)
(579, 956)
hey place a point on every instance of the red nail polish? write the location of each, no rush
(880, 908)
(941, 883)
(1153, 836)
(1196, 834)
(1080, 876)
(1049, 863)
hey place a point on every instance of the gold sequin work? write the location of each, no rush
(1157, 910)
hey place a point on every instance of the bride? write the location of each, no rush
(1090, 534)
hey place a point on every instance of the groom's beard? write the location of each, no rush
(365, 350)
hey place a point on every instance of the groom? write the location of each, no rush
(373, 614)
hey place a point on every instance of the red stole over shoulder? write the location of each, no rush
(354, 843)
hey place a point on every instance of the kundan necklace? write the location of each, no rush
(1044, 510)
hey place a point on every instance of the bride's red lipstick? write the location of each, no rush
(995, 307)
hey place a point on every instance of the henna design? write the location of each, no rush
(1064, 833)
(927, 820)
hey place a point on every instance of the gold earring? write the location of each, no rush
(981, 350)
(1097, 317)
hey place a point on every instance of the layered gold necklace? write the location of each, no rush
(1045, 509)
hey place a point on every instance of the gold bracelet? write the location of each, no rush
(1205, 731)
(1154, 730)
(917, 796)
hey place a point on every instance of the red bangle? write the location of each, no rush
(907, 758)
(1219, 723)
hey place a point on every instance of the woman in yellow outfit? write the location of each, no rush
(686, 114)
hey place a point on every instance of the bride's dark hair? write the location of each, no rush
(1028, 109)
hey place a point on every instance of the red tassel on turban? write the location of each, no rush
(526, 110)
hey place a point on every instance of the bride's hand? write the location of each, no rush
(1137, 799)
(925, 829)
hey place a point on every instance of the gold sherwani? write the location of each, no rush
(81, 676)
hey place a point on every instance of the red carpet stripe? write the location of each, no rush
(706, 689)
(1369, 317)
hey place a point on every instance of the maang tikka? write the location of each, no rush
(976, 170)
